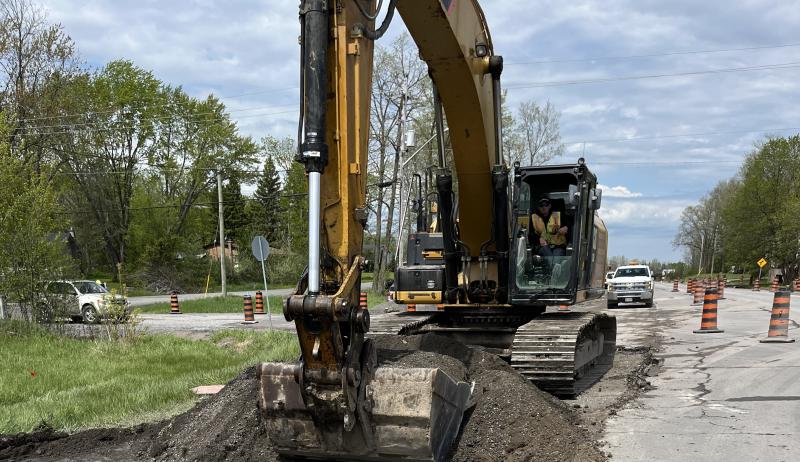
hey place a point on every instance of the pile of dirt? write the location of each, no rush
(510, 419)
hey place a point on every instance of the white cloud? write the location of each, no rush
(618, 191)
(650, 214)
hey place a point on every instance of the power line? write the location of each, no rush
(174, 206)
(275, 90)
(175, 115)
(652, 55)
(31, 131)
(558, 83)
(658, 137)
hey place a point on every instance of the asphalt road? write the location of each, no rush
(717, 397)
(152, 299)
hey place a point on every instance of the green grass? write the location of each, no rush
(72, 384)
(245, 286)
(234, 304)
(229, 304)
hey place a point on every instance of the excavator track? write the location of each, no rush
(565, 353)
(397, 324)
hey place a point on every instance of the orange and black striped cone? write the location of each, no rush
(411, 308)
(774, 286)
(690, 286)
(721, 287)
(259, 303)
(675, 285)
(248, 311)
(779, 320)
(174, 308)
(362, 300)
(797, 285)
(699, 291)
(708, 323)
(757, 286)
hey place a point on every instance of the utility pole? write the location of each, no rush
(400, 169)
(702, 245)
(221, 247)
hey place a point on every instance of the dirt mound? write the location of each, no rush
(510, 420)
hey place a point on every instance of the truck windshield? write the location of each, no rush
(630, 272)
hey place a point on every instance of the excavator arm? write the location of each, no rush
(336, 402)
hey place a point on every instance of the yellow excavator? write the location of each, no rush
(483, 264)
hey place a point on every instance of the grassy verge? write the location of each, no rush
(233, 304)
(72, 384)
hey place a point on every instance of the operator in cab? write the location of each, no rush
(552, 236)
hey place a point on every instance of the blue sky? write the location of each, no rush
(657, 144)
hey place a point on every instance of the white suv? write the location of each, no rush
(84, 300)
(631, 284)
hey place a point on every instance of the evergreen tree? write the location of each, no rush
(235, 217)
(267, 217)
(294, 205)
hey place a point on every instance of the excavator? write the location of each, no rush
(481, 264)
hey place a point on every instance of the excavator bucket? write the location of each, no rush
(410, 414)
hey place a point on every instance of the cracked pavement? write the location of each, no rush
(716, 397)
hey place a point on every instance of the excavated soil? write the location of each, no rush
(510, 419)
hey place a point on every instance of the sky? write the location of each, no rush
(663, 99)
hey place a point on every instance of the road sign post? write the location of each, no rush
(761, 264)
(261, 252)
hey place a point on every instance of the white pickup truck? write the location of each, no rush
(631, 284)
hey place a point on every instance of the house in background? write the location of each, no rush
(231, 250)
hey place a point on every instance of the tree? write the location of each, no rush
(235, 217)
(37, 60)
(399, 89)
(702, 229)
(533, 137)
(761, 216)
(266, 209)
(31, 248)
(294, 203)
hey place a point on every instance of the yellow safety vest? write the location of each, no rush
(550, 232)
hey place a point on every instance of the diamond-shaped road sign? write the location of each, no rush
(762, 262)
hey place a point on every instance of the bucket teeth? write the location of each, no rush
(415, 414)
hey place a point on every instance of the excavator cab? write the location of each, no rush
(563, 273)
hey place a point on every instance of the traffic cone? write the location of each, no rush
(690, 286)
(699, 290)
(411, 308)
(797, 285)
(174, 308)
(708, 323)
(779, 320)
(774, 286)
(757, 285)
(362, 300)
(259, 303)
(722, 284)
(675, 285)
(248, 311)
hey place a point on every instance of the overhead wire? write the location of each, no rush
(558, 83)
(651, 55)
